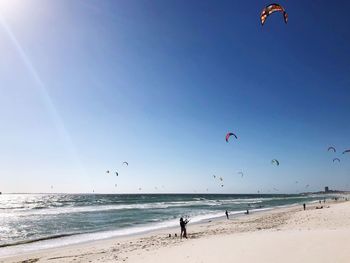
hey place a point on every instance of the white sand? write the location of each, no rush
(283, 235)
(265, 246)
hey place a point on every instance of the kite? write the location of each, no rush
(228, 135)
(346, 151)
(336, 159)
(276, 162)
(331, 148)
(126, 163)
(116, 173)
(241, 173)
(268, 10)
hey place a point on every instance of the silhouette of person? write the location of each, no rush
(183, 224)
(226, 213)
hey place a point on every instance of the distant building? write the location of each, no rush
(326, 189)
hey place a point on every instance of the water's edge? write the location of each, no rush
(59, 241)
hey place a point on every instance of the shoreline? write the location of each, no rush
(80, 236)
(195, 231)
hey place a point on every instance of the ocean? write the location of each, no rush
(36, 221)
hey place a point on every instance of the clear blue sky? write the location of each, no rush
(88, 84)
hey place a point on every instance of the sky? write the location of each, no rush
(88, 84)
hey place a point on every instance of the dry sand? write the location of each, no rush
(281, 235)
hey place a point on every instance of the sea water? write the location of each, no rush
(36, 221)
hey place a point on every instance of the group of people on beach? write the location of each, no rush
(184, 222)
(320, 202)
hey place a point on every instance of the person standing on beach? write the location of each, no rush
(304, 205)
(226, 213)
(183, 224)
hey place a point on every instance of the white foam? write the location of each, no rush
(100, 208)
(75, 239)
(82, 238)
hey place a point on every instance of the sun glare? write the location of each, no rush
(11, 8)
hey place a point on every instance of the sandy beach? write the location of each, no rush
(281, 235)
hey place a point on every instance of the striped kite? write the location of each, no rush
(268, 10)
